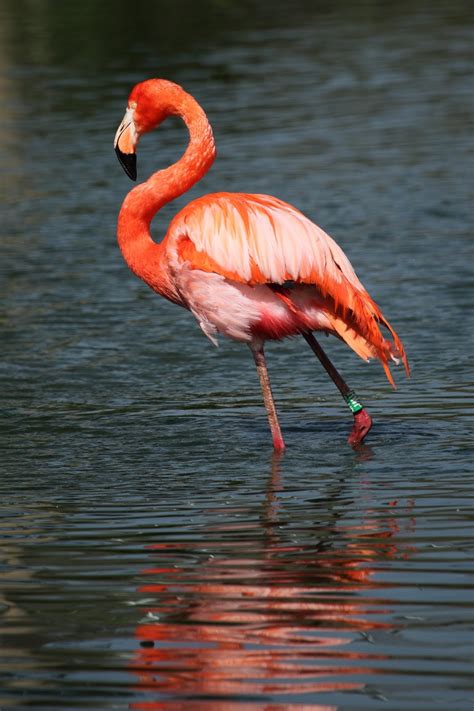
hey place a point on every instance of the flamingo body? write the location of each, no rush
(250, 243)
(250, 267)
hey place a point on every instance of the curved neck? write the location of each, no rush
(142, 203)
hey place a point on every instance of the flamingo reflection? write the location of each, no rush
(258, 615)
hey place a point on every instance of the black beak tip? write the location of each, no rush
(128, 161)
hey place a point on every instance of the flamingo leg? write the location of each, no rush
(260, 362)
(362, 419)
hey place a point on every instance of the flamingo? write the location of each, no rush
(250, 267)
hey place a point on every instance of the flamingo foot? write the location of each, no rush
(361, 427)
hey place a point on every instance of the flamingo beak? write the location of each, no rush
(125, 142)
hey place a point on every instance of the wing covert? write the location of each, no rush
(258, 239)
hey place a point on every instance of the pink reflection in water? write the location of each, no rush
(277, 619)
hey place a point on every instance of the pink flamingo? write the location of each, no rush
(248, 266)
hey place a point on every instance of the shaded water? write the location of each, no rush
(154, 553)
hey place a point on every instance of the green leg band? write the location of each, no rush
(353, 403)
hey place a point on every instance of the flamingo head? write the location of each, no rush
(149, 103)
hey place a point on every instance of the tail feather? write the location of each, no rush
(356, 319)
(368, 318)
(353, 339)
(399, 349)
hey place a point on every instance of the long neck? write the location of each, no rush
(144, 256)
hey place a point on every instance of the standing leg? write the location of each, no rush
(262, 371)
(362, 419)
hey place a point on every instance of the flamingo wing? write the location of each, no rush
(258, 239)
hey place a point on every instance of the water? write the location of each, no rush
(155, 554)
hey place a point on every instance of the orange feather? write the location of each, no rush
(254, 229)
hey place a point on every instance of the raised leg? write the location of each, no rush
(259, 357)
(362, 419)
